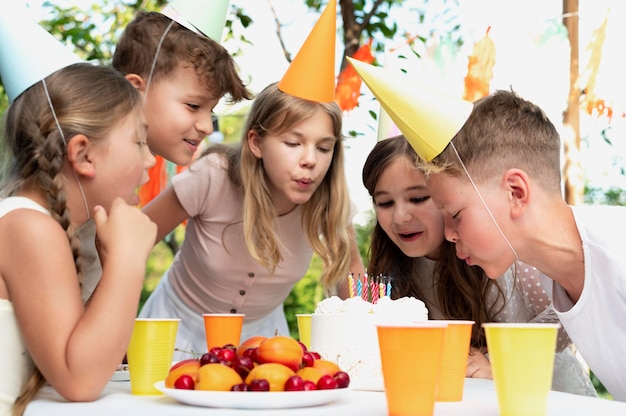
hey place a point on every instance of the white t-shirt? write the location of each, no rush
(597, 322)
(15, 361)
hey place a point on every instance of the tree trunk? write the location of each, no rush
(573, 181)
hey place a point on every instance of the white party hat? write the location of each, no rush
(201, 16)
(28, 53)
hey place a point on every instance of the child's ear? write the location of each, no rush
(518, 186)
(79, 156)
(254, 142)
(137, 82)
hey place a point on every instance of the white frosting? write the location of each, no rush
(344, 331)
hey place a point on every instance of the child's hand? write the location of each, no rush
(126, 231)
(478, 366)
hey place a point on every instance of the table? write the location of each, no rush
(479, 399)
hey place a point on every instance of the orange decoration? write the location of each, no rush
(159, 179)
(349, 82)
(480, 69)
(590, 101)
(157, 182)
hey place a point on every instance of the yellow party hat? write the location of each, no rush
(311, 74)
(28, 53)
(428, 119)
(201, 16)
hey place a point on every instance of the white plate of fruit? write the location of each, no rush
(262, 373)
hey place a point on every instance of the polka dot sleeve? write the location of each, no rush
(535, 288)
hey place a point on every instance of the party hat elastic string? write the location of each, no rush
(483, 201)
(56, 121)
(156, 57)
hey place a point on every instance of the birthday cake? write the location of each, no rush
(344, 331)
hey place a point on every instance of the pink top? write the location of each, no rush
(213, 271)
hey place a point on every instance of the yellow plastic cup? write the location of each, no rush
(150, 353)
(522, 359)
(222, 329)
(411, 361)
(304, 328)
(456, 348)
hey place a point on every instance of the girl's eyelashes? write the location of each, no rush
(193, 106)
(325, 149)
(383, 204)
(389, 203)
(421, 199)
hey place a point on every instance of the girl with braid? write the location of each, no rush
(76, 142)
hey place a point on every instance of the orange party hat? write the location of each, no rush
(428, 119)
(28, 53)
(311, 74)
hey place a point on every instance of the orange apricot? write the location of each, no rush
(326, 367)
(252, 342)
(276, 375)
(217, 377)
(281, 349)
(189, 366)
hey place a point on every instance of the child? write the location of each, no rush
(182, 76)
(258, 210)
(408, 243)
(77, 142)
(498, 184)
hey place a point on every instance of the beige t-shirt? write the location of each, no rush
(213, 271)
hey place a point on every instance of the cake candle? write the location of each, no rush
(351, 284)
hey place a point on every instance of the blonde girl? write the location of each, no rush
(257, 211)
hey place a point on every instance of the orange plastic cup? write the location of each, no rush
(222, 328)
(456, 347)
(411, 361)
(150, 353)
(522, 360)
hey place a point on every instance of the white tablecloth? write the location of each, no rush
(479, 399)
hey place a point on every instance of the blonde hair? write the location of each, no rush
(87, 100)
(504, 131)
(325, 217)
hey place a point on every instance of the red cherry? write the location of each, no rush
(316, 355)
(208, 358)
(308, 359)
(294, 383)
(259, 385)
(326, 382)
(227, 354)
(343, 379)
(251, 352)
(309, 385)
(304, 348)
(240, 387)
(185, 382)
(243, 365)
(215, 350)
